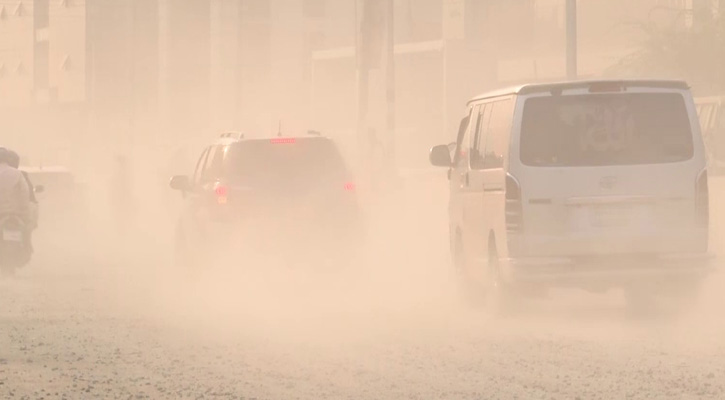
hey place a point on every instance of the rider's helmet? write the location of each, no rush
(13, 159)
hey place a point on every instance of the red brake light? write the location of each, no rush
(283, 140)
(221, 194)
(349, 187)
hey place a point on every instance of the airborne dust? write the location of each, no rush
(102, 311)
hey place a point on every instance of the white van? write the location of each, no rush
(568, 184)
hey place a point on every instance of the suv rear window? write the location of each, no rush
(605, 129)
(284, 160)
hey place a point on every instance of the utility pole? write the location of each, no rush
(390, 85)
(362, 77)
(41, 52)
(375, 38)
(370, 41)
(571, 39)
(131, 53)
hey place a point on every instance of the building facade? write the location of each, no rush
(170, 70)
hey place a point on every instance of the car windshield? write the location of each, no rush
(606, 129)
(286, 161)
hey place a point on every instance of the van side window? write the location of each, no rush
(479, 140)
(499, 131)
(462, 128)
(462, 134)
(464, 148)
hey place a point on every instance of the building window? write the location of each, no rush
(676, 4)
(20, 10)
(315, 8)
(317, 40)
(256, 9)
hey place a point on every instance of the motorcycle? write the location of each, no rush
(14, 246)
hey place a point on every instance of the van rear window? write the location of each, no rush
(606, 129)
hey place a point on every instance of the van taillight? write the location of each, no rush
(514, 206)
(702, 199)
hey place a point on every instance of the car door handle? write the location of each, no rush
(492, 189)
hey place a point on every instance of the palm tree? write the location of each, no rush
(696, 54)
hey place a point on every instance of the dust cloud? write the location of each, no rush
(395, 326)
(104, 312)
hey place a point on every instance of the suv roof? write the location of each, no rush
(281, 162)
(227, 138)
(567, 85)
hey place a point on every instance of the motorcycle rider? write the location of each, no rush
(14, 161)
(14, 191)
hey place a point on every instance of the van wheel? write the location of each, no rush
(471, 292)
(501, 300)
(686, 296)
(682, 298)
(641, 303)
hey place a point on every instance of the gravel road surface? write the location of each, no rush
(112, 324)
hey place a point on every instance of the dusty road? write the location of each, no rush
(124, 326)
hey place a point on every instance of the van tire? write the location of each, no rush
(684, 297)
(501, 301)
(641, 303)
(470, 292)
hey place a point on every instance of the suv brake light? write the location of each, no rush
(283, 140)
(221, 194)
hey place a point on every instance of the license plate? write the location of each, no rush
(12, 236)
(610, 217)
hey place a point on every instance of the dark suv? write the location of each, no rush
(290, 195)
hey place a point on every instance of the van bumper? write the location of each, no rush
(607, 271)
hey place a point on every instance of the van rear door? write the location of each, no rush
(612, 173)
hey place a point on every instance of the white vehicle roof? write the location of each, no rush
(567, 85)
